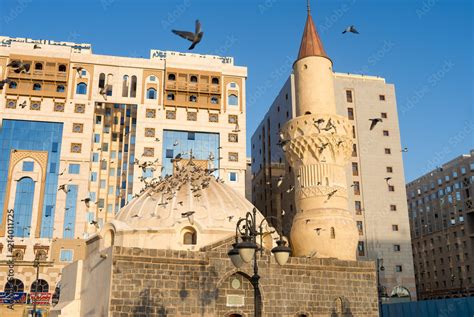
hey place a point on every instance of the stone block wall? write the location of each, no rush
(149, 282)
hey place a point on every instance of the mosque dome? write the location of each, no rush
(187, 210)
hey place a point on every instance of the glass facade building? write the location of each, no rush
(204, 146)
(32, 136)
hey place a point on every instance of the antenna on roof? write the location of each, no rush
(308, 7)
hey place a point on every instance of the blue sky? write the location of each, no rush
(424, 47)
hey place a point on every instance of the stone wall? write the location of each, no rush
(149, 282)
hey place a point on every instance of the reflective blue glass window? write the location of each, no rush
(96, 138)
(95, 157)
(65, 256)
(70, 212)
(148, 172)
(74, 168)
(151, 93)
(54, 147)
(25, 190)
(113, 155)
(52, 167)
(28, 166)
(233, 100)
(169, 153)
(92, 196)
(49, 211)
(102, 183)
(93, 176)
(233, 176)
(81, 89)
(191, 136)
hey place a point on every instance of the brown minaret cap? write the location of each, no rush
(311, 44)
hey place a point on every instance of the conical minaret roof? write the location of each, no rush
(311, 44)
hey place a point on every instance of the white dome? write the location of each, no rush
(190, 199)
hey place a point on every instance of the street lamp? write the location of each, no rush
(246, 250)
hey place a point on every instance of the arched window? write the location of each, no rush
(81, 89)
(333, 233)
(14, 285)
(214, 100)
(13, 85)
(60, 88)
(189, 236)
(233, 100)
(38, 66)
(125, 86)
(193, 79)
(215, 81)
(193, 98)
(61, 68)
(170, 96)
(25, 191)
(151, 93)
(171, 77)
(102, 80)
(36, 86)
(39, 286)
(307, 112)
(133, 87)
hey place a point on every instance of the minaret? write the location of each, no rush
(318, 145)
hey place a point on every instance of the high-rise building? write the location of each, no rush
(375, 176)
(81, 134)
(440, 205)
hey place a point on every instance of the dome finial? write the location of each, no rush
(308, 7)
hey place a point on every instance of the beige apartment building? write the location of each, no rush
(82, 134)
(441, 211)
(375, 177)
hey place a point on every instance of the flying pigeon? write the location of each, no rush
(350, 29)
(374, 122)
(195, 37)
(3, 82)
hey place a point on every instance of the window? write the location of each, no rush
(189, 236)
(191, 116)
(355, 169)
(233, 85)
(171, 77)
(233, 157)
(356, 186)
(13, 85)
(193, 79)
(170, 114)
(394, 227)
(361, 248)
(133, 87)
(60, 88)
(333, 233)
(54, 147)
(360, 228)
(391, 188)
(233, 119)
(94, 177)
(398, 268)
(388, 151)
(152, 78)
(65, 256)
(81, 89)
(39, 286)
(28, 166)
(96, 138)
(348, 95)
(215, 81)
(151, 93)
(149, 152)
(214, 100)
(382, 97)
(389, 169)
(358, 207)
(385, 133)
(233, 100)
(14, 285)
(77, 127)
(38, 66)
(150, 132)
(170, 96)
(233, 137)
(233, 177)
(74, 168)
(393, 207)
(213, 117)
(102, 80)
(191, 136)
(350, 113)
(36, 86)
(396, 247)
(102, 183)
(150, 113)
(192, 98)
(125, 86)
(169, 153)
(79, 108)
(354, 150)
(35, 106)
(95, 157)
(383, 115)
(62, 68)
(148, 172)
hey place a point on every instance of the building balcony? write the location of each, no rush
(43, 75)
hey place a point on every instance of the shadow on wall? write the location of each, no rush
(149, 305)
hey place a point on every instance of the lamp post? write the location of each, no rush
(36, 264)
(380, 288)
(243, 252)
